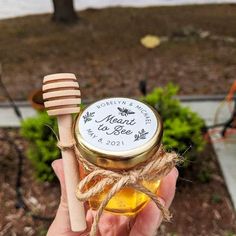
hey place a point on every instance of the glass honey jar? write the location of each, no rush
(118, 134)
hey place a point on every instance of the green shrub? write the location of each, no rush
(42, 144)
(182, 127)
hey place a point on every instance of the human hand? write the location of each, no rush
(145, 223)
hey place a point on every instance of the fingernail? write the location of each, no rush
(54, 167)
(176, 172)
(163, 203)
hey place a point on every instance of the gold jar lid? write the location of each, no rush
(118, 133)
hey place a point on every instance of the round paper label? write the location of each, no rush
(117, 124)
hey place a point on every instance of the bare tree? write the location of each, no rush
(64, 11)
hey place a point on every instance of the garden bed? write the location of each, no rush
(201, 207)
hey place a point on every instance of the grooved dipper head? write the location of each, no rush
(61, 94)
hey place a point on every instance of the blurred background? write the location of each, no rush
(179, 56)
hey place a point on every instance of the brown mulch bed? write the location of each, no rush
(104, 50)
(41, 198)
(200, 208)
(202, 205)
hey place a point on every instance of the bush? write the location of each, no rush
(42, 149)
(182, 127)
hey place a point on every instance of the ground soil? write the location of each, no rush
(200, 208)
(104, 50)
(41, 198)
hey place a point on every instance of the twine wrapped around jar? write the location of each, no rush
(153, 169)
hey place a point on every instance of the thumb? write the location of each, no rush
(57, 166)
(61, 224)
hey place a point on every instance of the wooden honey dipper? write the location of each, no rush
(61, 96)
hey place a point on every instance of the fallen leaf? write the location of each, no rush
(150, 41)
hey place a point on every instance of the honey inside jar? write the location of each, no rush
(127, 201)
(118, 134)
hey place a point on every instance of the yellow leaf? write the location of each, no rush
(150, 41)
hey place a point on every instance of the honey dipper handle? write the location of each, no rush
(71, 172)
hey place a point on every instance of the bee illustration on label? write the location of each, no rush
(124, 111)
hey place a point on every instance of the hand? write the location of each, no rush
(145, 223)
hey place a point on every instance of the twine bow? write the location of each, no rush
(152, 170)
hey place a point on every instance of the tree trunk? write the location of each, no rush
(64, 11)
